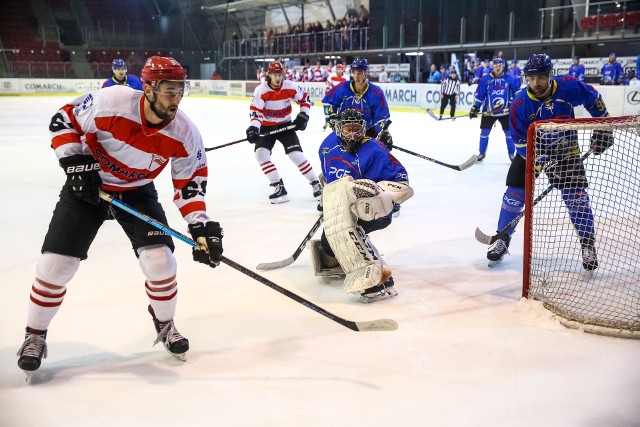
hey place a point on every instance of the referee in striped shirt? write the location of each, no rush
(449, 91)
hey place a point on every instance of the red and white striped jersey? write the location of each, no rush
(110, 125)
(319, 75)
(273, 107)
(334, 80)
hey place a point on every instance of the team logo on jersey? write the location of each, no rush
(158, 160)
(86, 104)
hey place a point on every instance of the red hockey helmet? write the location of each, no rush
(275, 67)
(159, 68)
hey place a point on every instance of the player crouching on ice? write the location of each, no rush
(364, 182)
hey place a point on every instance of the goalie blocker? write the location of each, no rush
(349, 206)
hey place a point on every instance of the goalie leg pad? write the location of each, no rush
(359, 259)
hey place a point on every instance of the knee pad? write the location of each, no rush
(297, 157)
(262, 155)
(157, 262)
(56, 269)
(484, 133)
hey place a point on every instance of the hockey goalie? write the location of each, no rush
(365, 186)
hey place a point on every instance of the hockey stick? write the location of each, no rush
(273, 132)
(489, 240)
(296, 254)
(466, 165)
(373, 325)
(432, 114)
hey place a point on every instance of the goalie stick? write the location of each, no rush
(489, 240)
(432, 114)
(288, 261)
(466, 165)
(273, 132)
(373, 325)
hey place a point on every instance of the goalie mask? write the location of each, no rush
(350, 128)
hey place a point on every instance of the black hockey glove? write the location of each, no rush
(473, 113)
(253, 134)
(601, 140)
(83, 180)
(209, 243)
(386, 139)
(333, 118)
(301, 121)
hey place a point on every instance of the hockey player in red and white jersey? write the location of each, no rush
(333, 80)
(119, 140)
(319, 73)
(271, 109)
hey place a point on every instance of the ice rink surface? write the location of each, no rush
(468, 351)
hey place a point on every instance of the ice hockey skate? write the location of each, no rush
(32, 351)
(481, 157)
(498, 250)
(323, 264)
(317, 189)
(589, 256)
(173, 341)
(379, 293)
(279, 194)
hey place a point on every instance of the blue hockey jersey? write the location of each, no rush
(372, 103)
(612, 74)
(576, 71)
(494, 94)
(566, 93)
(129, 80)
(372, 161)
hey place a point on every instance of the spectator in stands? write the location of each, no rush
(515, 70)
(576, 69)
(120, 76)
(383, 76)
(434, 75)
(363, 14)
(216, 76)
(612, 72)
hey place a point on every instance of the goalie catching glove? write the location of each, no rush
(601, 140)
(83, 179)
(208, 237)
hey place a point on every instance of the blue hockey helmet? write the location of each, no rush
(538, 64)
(118, 63)
(360, 64)
(498, 60)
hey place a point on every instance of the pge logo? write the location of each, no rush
(633, 98)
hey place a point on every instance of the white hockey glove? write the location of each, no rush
(377, 200)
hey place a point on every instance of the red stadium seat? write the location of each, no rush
(608, 21)
(632, 20)
(585, 24)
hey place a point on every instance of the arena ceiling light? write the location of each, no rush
(414, 53)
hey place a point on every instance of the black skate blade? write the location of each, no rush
(492, 264)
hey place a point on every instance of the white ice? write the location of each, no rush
(468, 351)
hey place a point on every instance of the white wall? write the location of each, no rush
(620, 100)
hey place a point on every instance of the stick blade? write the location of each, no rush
(483, 238)
(472, 161)
(377, 325)
(276, 264)
(431, 113)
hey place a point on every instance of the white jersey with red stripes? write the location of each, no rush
(271, 107)
(109, 124)
(319, 75)
(334, 80)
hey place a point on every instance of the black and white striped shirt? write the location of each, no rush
(450, 86)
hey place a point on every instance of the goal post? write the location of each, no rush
(603, 299)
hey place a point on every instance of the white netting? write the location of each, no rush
(605, 300)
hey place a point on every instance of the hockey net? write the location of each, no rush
(605, 300)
